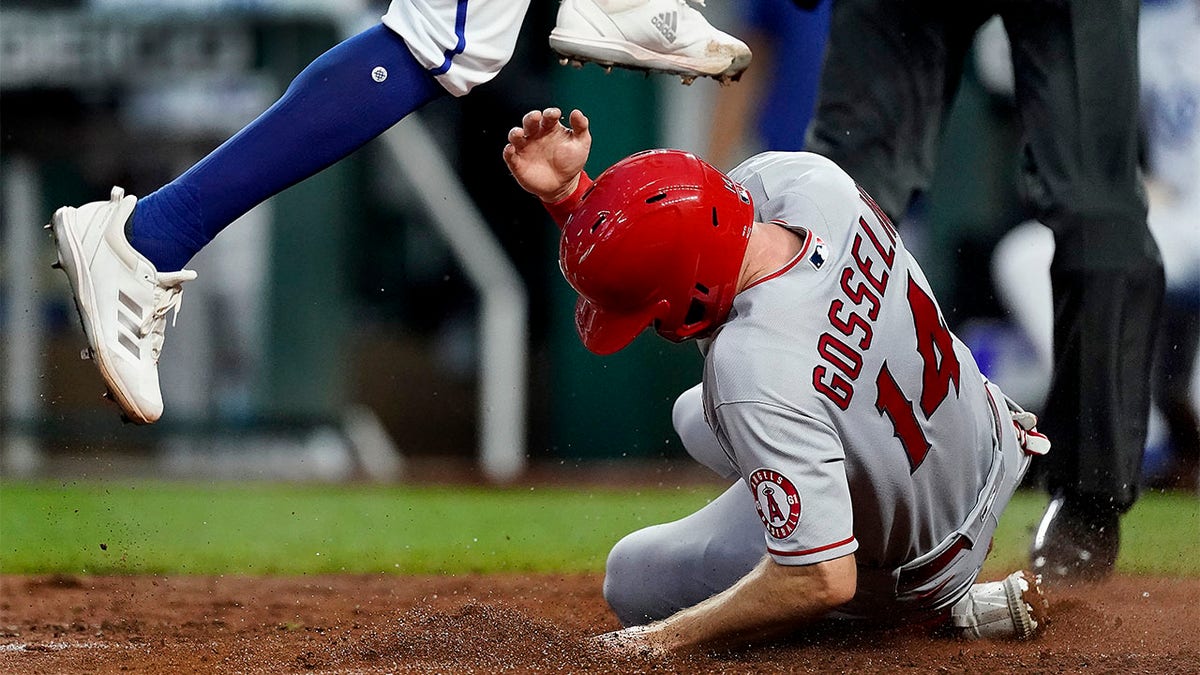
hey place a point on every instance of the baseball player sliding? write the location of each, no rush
(872, 460)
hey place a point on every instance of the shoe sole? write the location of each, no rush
(1027, 606)
(609, 53)
(70, 260)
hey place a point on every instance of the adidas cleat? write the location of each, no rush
(1012, 608)
(121, 298)
(668, 36)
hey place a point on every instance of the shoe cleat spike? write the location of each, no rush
(576, 63)
(85, 354)
(687, 80)
(56, 265)
(107, 396)
(562, 60)
(607, 68)
(48, 226)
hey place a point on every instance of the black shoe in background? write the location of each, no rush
(1076, 540)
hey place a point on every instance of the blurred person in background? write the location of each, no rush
(125, 257)
(891, 73)
(772, 106)
(1170, 102)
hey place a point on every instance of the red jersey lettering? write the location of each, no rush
(866, 264)
(888, 254)
(860, 293)
(838, 390)
(848, 325)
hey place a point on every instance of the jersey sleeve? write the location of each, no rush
(562, 209)
(794, 465)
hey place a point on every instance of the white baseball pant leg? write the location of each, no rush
(698, 439)
(659, 570)
(461, 43)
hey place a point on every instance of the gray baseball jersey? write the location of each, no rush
(859, 421)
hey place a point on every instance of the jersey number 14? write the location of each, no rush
(940, 368)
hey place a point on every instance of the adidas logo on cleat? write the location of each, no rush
(667, 23)
(129, 319)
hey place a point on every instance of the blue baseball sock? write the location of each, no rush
(331, 109)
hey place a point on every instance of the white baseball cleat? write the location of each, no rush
(660, 35)
(122, 300)
(1012, 608)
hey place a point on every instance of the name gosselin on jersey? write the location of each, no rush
(852, 314)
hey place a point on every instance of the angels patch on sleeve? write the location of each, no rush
(777, 501)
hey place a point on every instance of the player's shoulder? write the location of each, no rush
(748, 371)
(729, 378)
(801, 188)
(746, 355)
(788, 180)
(732, 355)
(791, 167)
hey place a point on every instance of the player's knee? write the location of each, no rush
(461, 57)
(688, 407)
(1099, 232)
(469, 73)
(1107, 250)
(628, 577)
(698, 438)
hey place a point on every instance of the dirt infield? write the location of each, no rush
(510, 623)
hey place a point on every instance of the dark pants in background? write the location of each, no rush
(891, 72)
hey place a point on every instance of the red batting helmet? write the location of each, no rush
(658, 239)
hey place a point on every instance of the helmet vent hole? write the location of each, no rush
(657, 197)
(695, 312)
(715, 223)
(599, 221)
(702, 288)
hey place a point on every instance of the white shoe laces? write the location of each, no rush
(168, 295)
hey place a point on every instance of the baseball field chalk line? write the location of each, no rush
(57, 646)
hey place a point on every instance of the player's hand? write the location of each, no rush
(632, 641)
(546, 157)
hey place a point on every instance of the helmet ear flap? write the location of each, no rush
(701, 300)
(699, 314)
(697, 310)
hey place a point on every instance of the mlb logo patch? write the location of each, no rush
(819, 254)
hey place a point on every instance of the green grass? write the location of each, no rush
(170, 528)
(287, 529)
(1159, 537)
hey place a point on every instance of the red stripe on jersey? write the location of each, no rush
(933, 591)
(808, 237)
(926, 571)
(811, 550)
